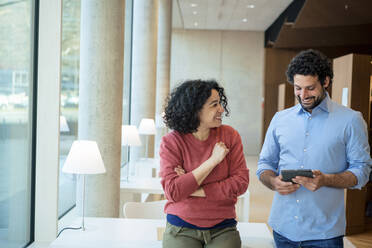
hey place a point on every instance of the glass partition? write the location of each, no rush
(69, 99)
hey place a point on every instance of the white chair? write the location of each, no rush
(155, 209)
(242, 207)
(144, 210)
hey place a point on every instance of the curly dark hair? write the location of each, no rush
(310, 62)
(185, 102)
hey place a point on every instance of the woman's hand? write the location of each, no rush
(219, 152)
(199, 192)
(179, 170)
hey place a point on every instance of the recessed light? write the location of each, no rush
(250, 6)
(245, 20)
(193, 5)
(195, 12)
(196, 24)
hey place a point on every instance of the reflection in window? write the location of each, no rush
(69, 99)
(15, 122)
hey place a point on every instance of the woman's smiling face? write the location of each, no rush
(210, 115)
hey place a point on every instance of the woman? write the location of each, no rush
(203, 168)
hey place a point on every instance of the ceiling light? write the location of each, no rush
(245, 20)
(193, 5)
(195, 24)
(250, 6)
(195, 12)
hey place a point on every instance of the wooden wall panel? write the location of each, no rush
(353, 71)
(276, 63)
(342, 68)
(360, 92)
(286, 98)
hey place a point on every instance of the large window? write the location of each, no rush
(70, 93)
(16, 80)
(69, 99)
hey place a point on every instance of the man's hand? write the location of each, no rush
(313, 184)
(270, 179)
(283, 188)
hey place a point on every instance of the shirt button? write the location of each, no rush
(296, 217)
(305, 150)
(309, 118)
(302, 166)
(297, 202)
(307, 134)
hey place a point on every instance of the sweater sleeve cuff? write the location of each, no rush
(189, 182)
(210, 191)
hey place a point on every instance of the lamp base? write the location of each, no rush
(83, 205)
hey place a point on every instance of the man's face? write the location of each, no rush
(309, 91)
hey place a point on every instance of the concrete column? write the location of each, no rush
(143, 69)
(100, 100)
(162, 67)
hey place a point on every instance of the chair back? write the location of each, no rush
(242, 207)
(144, 210)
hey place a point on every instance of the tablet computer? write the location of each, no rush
(287, 175)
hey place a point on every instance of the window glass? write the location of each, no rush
(127, 81)
(15, 121)
(69, 99)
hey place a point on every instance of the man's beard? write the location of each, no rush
(317, 101)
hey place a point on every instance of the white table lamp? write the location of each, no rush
(147, 127)
(84, 158)
(63, 126)
(129, 137)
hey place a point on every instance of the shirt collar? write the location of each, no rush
(325, 105)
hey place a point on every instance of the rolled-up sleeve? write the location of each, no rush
(269, 156)
(358, 150)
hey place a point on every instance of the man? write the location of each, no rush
(320, 135)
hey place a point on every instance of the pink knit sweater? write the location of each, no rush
(224, 184)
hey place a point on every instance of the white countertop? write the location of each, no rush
(136, 233)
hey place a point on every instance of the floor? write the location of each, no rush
(363, 240)
(261, 198)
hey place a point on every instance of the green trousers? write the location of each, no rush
(183, 237)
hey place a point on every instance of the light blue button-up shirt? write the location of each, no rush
(332, 139)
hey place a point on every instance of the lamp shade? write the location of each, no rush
(147, 126)
(129, 136)
(84, 158)
(63, 127)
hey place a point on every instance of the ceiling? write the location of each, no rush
(247, 15)
(335, 27)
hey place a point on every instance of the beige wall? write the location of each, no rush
(233, 58)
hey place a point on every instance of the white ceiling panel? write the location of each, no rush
(250, 15)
